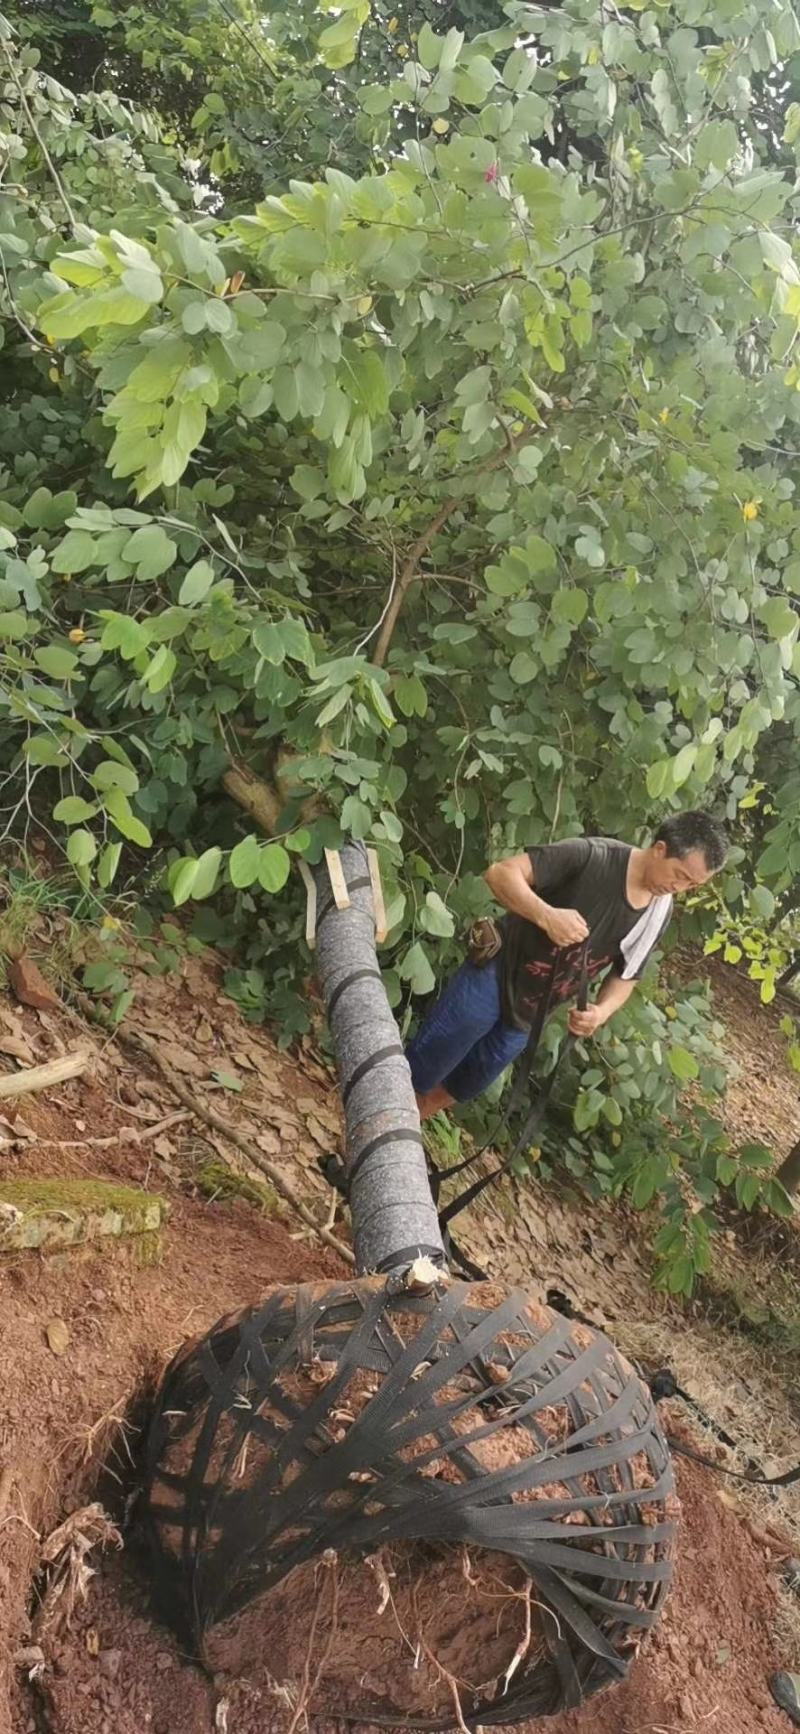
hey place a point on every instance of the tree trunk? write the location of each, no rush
(394, 1216)
(792, 969)
(789, 1171)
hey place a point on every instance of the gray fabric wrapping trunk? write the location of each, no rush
(394, 1216)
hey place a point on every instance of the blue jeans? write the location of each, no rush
(463, 1043)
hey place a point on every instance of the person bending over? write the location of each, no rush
(590, 904)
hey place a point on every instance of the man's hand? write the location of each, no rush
(565, 927)
(586, 1023)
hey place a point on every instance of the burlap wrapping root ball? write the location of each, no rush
(337, 1422)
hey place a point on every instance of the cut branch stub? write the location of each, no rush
(394, 1216)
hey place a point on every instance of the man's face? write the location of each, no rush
(674, 875)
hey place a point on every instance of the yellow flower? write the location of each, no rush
(664, 415)
(77, 635)
(440, 126)
(110, 923)
(392, 26)
(402, 49)
(750, 510)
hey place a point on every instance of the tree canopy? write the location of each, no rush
(400, 407)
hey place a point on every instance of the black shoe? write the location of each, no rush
(785, 1689)
(333, 1169)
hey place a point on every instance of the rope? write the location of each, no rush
(663, 1386)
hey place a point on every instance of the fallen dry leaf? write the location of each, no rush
(318, 1132)
(27, 982)
(183, 1061)
(204, 1031)
(269, 1142)
(17, 1049)
(57, 1336)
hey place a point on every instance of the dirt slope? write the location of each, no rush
(112, 1668)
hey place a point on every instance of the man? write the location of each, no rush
(578, 909)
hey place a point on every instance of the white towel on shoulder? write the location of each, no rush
(638, 944)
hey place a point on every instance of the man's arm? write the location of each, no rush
(613, 994)
(511, 882)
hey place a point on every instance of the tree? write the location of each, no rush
(463, 474)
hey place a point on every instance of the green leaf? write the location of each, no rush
(206, 874)
(81, 848)
(375, 99)
(77, 551)
(108, 864)
(43, 750)
(307, 481)
(219, 316)
(14, 625)
(299, 841)
(273, 867)
(590, 548)
(183, 881)
(762, 902)
(268, 641)
(160, 670)
(229, 1081)
(416, 970)
(683, 1065)
(658, 778)
(367, 382)
(244, 862)
(646, 1183)
(429, 47)
(778, 617)
(119, 810)
(151, 550)
(436, 917)
(716, 145)
(570, 605)
(284, 387)
(111, 775)
(72, 810)
(196, 584)
(296, 641)
(683, 765)
(410, 695)
(56, 662)
(524, 668)
(146, 285)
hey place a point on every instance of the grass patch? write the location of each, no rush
(216, 1180)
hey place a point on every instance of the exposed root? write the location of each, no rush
(87, 1439)
(65, 1558)
(377, 1566)
(310, 1683)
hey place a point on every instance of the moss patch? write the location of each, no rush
(217, 1180)
(57, 1213)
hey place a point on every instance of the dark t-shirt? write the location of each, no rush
(584, 873)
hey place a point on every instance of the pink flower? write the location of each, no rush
(491, 174)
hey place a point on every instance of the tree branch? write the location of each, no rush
(31, 118)
(258, 798)
(410, 567)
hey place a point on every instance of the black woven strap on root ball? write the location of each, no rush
(599, 1552)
